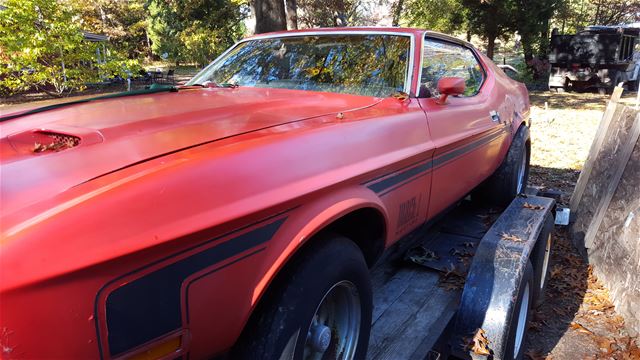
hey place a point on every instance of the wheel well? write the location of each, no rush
(366, 227)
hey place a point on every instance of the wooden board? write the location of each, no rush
(410, 312)
(615, 252)
(602, 172)
(596, 145)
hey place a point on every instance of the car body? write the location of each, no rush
(160, 226)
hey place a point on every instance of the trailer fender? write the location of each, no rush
(491, 288)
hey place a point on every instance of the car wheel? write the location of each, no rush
(520, 317)
(320, 308)
(510, 179)
(540, 258)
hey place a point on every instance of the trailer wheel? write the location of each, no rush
(510, 179)
(520, 317)
(540, 258)
(321, 308)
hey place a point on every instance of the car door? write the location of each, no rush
(468, 131)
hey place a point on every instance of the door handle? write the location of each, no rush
(495, 116)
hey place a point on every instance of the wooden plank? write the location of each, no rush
(613, 182)
(602, 171)
(596, 145)
(387, 293)
(417, 309)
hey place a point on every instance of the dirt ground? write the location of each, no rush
(578, 320)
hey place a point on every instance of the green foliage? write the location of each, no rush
(42, 47)
(194, 30)
(446, 16)
(124, 21)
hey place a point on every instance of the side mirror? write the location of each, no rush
(450, 86)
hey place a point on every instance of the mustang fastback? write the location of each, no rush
(238, 215)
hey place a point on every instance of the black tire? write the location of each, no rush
(286, 314)
(517, 329)
(540, 258)
(507, 181)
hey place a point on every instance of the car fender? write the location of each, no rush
(311, 218)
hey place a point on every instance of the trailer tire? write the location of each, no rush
(511, 177)
(324, 296)
(540, 258)
(520, 317)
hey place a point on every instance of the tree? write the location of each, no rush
(124, 21)
(292, 14)
(194, 30)
(44, 46)
(439, 15)
(331, 13)
(270, 15)
(615, 12)
(533, 22)
(490, 19)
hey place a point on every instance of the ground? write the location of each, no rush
(578, 320)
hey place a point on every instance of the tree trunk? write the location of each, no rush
(270, 15)
(292, 14)
(491, 45)
(468, 35)
(397, 12)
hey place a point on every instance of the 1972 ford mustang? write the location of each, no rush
(238, 215)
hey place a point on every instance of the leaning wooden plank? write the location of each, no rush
(602, 171)
(585, 173)
(621, 163)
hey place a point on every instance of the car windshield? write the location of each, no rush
(372, 65)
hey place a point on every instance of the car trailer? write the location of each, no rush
(475, 274)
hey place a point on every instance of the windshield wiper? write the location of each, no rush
(211, 84)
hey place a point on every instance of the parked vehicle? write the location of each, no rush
(239, 214)
(599, 57)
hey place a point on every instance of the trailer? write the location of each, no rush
(598, 57)
(463, 287)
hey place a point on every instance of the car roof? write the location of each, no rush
(364, 29)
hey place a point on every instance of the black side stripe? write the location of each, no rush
(385, 186)
(394, 180)
(466, 148)
(150, 306)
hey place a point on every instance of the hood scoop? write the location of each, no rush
(51, 140)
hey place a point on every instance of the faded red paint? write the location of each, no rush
(157, 175)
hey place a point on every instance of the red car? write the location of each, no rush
(238, 215)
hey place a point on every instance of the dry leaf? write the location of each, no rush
(532, 206)
(479, 343)
(402, 96)
(509, 237)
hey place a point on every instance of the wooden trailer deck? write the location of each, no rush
(411, 309)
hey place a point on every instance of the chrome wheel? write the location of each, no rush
(521, 171)
(545, 262)
(335, 326)
(522, 321)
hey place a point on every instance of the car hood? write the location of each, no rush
(107, 135)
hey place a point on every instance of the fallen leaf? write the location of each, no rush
(479, 343)
(532, 206)
(509, 237)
